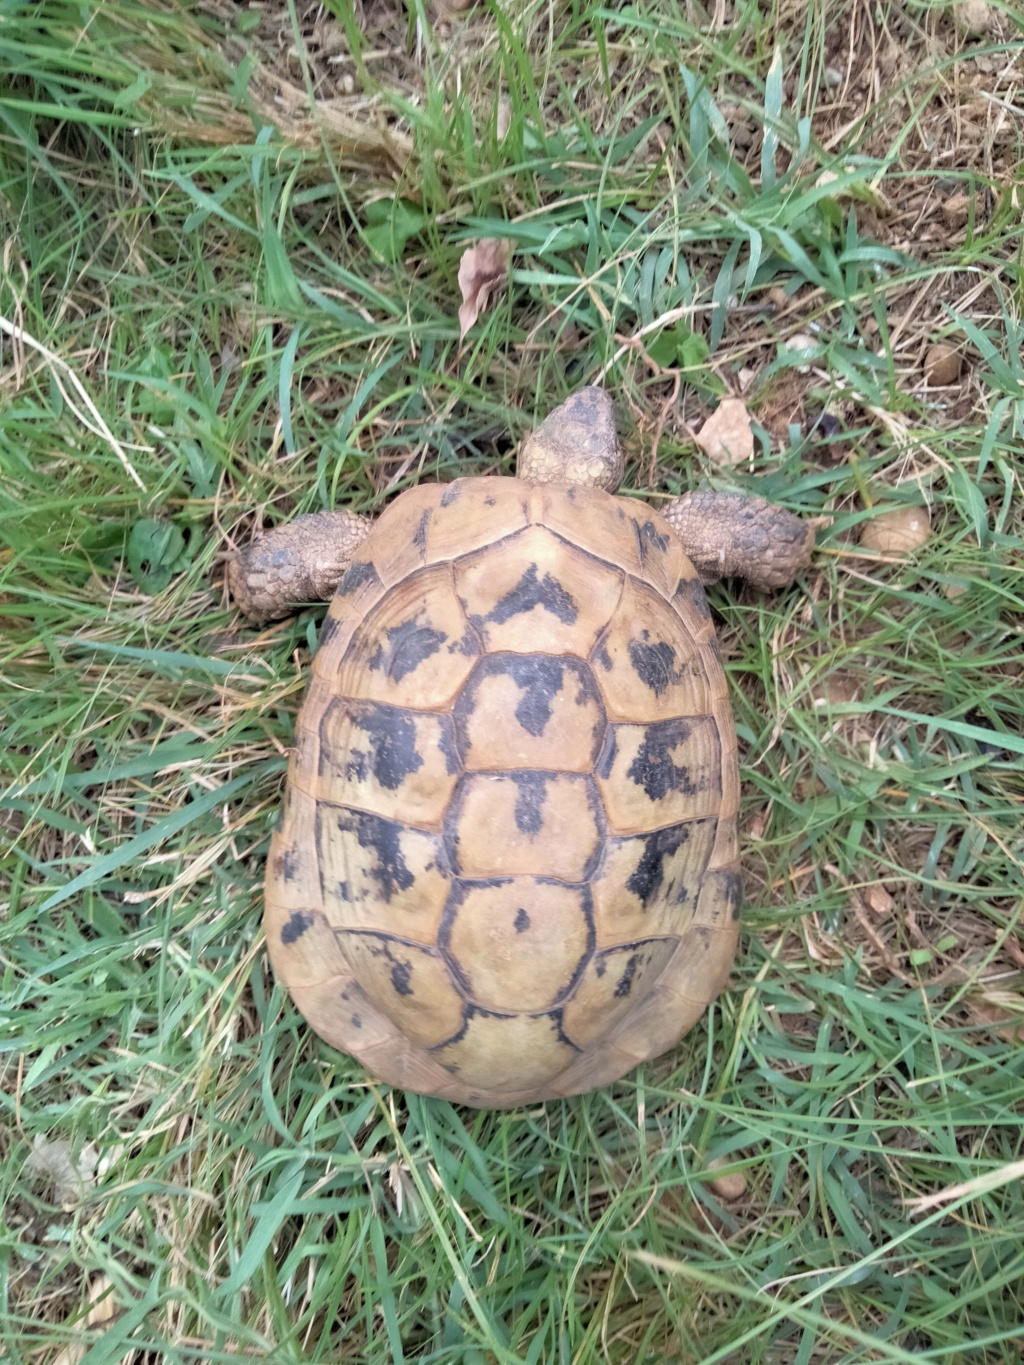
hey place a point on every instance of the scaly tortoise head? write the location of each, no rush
(507, 868)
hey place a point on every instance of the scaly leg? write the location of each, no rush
(301, 561)
(726, 534)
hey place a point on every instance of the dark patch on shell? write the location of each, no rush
(648, 537)
(531, 592)
(446, 744)
(356, 1021)
(539, 679)
(409, 643)
(298, 922)
(452, 493)
(521, 922)
(328, 630)
(606, 758)
(602, 656)
(625, 982)
(732, 887)
(692, 590)
(529, 808)
(466, 645)
(419, 538)
(654, 664)
(654, 769)
(357, 576)
(401, 976)
(391, 753)
(646, 882)
(290, 862)
(384, 837)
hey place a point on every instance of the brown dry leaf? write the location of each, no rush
(1007, 1024)
(483, 267)
(69, 1175)
(103, 1309)
(726, 436)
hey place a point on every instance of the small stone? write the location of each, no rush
(955, 210)
(726, 436)
(827, 426)
(898, 532)
(800, 344)
(730, 1184)
(777, 297)
(878, 900)
(975, 18)
(746, 377)
(833, 77)
(942, 364)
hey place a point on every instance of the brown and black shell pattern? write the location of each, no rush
(507, 864)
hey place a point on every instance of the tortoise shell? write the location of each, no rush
(507, 863)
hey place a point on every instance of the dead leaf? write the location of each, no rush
(993, 1015)
(70, 1176)
(483, 267)
(726, 436)
(103, 1309)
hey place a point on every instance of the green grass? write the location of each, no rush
(263, 315)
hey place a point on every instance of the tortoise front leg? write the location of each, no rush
(726, 534)
(301, 561)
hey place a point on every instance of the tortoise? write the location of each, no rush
(507, 864)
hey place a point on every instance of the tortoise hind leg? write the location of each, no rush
(301, 561)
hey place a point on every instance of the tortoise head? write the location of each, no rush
(576, 444)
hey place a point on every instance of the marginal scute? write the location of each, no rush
(622, 532)
(507, 867)
(399, 538)
(486, 511)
